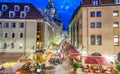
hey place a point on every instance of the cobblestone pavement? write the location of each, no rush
(64, 68)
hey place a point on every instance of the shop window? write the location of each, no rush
(115, 13)
(115, 24)
(116, 40)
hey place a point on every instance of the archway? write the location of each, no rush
(96, 54)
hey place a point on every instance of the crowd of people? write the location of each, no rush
(98, 69)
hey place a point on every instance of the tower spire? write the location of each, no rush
(50, 1)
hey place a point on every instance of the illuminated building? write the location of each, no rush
(95, 27)
(56, 23)
(22, 28)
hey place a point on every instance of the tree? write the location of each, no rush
(75, 65)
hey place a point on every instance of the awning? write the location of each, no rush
(97, 60)
(68, 46)
(73, 52)
(10, 56)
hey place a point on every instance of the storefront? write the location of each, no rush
(98, 64)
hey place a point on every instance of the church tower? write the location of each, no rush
(51, 2)
(50, 9)
(52, 12)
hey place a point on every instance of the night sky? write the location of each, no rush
(65, 8)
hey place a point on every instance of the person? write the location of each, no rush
(43, 67)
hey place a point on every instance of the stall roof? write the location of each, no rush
(99, 60)
(73, 52)
(10, 56)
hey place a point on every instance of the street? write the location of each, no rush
(64, 68)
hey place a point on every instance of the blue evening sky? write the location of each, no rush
(65, 8)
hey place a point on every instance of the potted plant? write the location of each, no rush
(75, 65)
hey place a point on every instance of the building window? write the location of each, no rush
(13, 25)
(95, 2)
(98, 13)
(16, 8)
(4, 8)
(5, 45)
(20, 46)
(0, 24)
(92, 39)
(92, 14)
(116, 40)
(115, 24)
(117, 1)
(13, 35)
(26, 8)
(21, 25)
(92, 25)
(6, 25)
(98, 25)
(1, 13)
(5, 35)
(115, 13)
(22, 14)
(11, 14)
(99, 40)
(12, 45)
(21, 35)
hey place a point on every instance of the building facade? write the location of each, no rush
(52, 12)
(95, 26)
(56, 23)
(22, 28)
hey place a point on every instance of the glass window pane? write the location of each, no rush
(13, 25)
(6, 25)
(92, 14)
(98, 24)
(21, 25)
(92, 25)
(115, 24)
(98, 13)
(13, 35)
(21, 35)
(5, 45)
(95, 2)
(99, 40)
(117, 1)
(116, 40)
(92, 39)
(5, 35)
(12, 45)
(0, 24)
(115, 13)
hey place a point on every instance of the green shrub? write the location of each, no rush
(75, 65)
(117, 67)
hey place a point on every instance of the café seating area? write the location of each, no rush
(95, 69)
